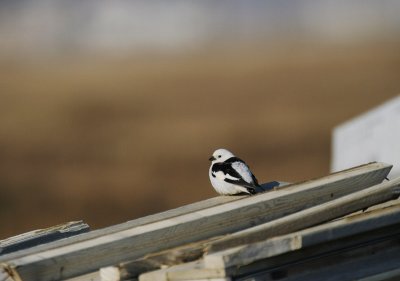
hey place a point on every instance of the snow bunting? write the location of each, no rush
(230, 175)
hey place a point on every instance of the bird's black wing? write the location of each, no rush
(236, 159)
(227, 169)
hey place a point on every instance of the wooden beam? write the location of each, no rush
(124, 226)
(138, 222)
(312, 216)
(187, 271)
(391, 275)
(227, 263)
(94, 276)
(372, 254)
(89, 255)
(350, 264)
(42, 236)
(342, 228)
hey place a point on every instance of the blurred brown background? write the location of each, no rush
(110, 109)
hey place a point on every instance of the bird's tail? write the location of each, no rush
(251, 190)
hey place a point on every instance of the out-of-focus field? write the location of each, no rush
(109, 140)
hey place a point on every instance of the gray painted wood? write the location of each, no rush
(155, 261)
(186, 271)
(94, 276)
(342, 228)
(141, 221)
(369, 259)
(350, 264)
(127, 225)
(390, 275)
(42, 236)
(383, 192)
(225, 263)
(88, 255)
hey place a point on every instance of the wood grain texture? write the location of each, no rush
(137, 222)
(227, 263)
(354, 255)
(312, 216)
(160, 234)
(331, 262)
(94, 276)
(349, 264)
(127, 225)
(155, 261)
(342, 228)
(186, 271)
(390, 275)
(42, 236)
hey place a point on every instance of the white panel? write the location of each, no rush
(373, 136)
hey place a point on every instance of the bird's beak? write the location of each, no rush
(212, 158)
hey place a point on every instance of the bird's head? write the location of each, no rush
(220, 155)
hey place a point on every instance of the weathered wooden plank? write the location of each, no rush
(155, 261)
(391, 275)
(225, 263)
(213, 279)
(94, 276)
(141, 221)
(88, 255)
(342, 230)
(42, 236)
(322, 266)
(127, 225)
(374, 207)
(351, 264)
(319, 264)
(192, 270)
(132, 269)
(278, 265)
(345, 227)
(324, 212)
(110, 273)
(187, 271)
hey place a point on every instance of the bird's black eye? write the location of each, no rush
(219, 156)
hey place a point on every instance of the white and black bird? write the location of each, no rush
(230, 175)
